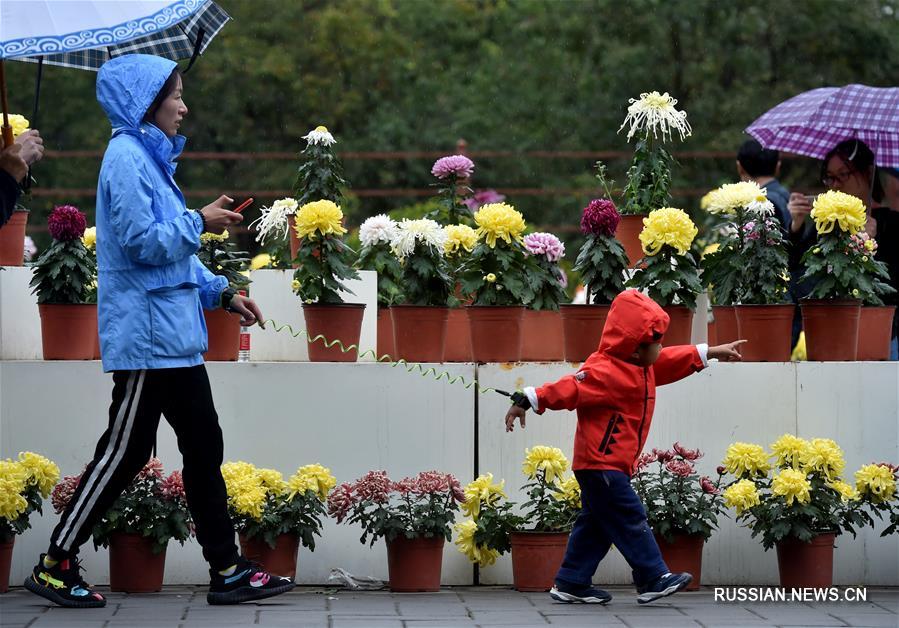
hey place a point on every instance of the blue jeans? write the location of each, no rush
(611, 513)
(894, 349)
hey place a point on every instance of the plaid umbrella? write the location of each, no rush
(814, 122)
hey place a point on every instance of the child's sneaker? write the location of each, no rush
(570, 593)
(663, 586)
(62, 584)
(248, 582)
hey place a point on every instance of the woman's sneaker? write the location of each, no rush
(578, 593)
(248, 582)
(663, 586)
(62, 584)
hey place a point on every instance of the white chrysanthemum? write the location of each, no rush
(761, 208)
(655, 113)
(274, 219)
(411, 231)
(320, 135)
(377, 229)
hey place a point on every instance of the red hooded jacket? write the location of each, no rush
(614, 398)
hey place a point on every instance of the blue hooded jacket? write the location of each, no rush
(152, 286)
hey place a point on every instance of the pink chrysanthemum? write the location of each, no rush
(340, 501)
(689, 454)
(62, 492)
(459, 166)
(153, 468)
(679, 467)
(662, 455)
(483, 197)
(544, 244)
(373, 486)
(173, 486)
(600, 217)
(66, 223)
(708, 486)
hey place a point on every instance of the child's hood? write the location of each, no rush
(633, 319)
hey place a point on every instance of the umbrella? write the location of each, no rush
(813, 122)
(85, 34)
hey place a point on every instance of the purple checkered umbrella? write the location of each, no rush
(814, 122)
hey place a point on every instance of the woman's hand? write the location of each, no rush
(799, 208)
(217, 217)
(248, 310)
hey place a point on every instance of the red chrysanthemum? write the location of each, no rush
(600, 217)
(679, 467)
(66, 223)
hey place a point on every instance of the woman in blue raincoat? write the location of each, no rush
(152, 291)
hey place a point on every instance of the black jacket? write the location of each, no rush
(9, 194)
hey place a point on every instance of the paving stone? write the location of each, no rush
(508, 618)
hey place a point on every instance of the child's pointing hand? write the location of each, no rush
(729, 352)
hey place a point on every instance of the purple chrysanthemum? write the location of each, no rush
(483, 197)
(66, 223)
(544, 244)
(459, 166)
(600, 217)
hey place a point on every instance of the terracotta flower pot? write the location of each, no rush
(542, 339)
(6, 545)
(125, 552)
(414, 565)
(582, 329)
(330, 325)
(280, 560)
(628, 234)
(831, 329)
(680, 329)
(294, 240)
(806, 564)
(12, 240)
(536, 558)
(769, 330)
(684, 554)
(458, 337)
(712, 333)
(386, 345)
(419, 332)
(223, 330)
(495, 332)
(725, 323)
(68, 330)
(875, 327)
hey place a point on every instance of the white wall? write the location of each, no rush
(357, 417)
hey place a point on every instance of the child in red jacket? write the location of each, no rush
(614, 396)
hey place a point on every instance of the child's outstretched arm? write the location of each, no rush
(676, 363)
(572, 391)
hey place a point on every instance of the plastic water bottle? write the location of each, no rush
(243, 352)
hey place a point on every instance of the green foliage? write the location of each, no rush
(381, 259)
(64, 273)
(763, 264)
(649, 178)
(546, 279)
(286, 513)
(668, 278)
(721, 272)
(545, 509)
(425, 278)
(222, 258)
(324, 264)
(319, 176)
(415, 211)
(500, 275)
(452, 211)
(496, 523)
(602, 264)
(844, 270)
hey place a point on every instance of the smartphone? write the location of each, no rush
(809, 197)
(243, 205)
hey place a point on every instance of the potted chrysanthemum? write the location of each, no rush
(453, 173)
(805, 503)
(682, 507)
(273, 516)
(24, 485)
(842, 277)
(497, 275)
(275, 229)
(62, 280)
(420, 315)
(875, 323)
(538, 535)
(89, 239)
(376, 235)
(222, 327)
(460, 242)
(541, 320)
(749, 271)
(654, 120)
(325, 261)
(669, 272)
(413, 516)
(12, 235)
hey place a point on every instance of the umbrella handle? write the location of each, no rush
(8, 138)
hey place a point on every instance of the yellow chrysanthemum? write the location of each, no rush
(41, 471)
(742, 495)
(319, 218)
(312, 477)
(459, 238)
(570, 492)
(19, 124)
(272, 480)
(746, 459)
(499, 221)
(490, 277)
(667, 226)
(13, 481)
(732, 196)
(549, 459)
(877, 481)
(847, 491)
(482, 493)
(295, 285)
(89, 239)
(788, 450)
(838, 208)
(211, 237)
(792, 485)
(263, 260)
(706, 200)
(824, 456)
(711, 248)
(465, 531)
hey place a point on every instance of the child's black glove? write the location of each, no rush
(521, 400)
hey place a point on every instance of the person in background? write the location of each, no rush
(886, 216)
(14, 163)
(762, 165)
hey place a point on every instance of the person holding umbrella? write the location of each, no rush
(152, 335)
(15, 160)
